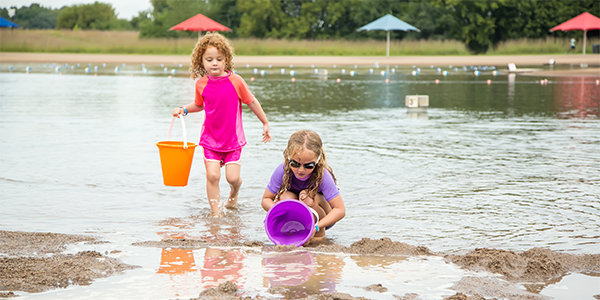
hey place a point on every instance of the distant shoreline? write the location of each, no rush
(500, 61)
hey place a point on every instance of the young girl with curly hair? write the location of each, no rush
(220, 94)
(305, 175)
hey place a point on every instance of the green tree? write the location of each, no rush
(33, 16)
(261, 18)
(476, 22)
(100, 16)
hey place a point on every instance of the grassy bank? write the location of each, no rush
(127, 42)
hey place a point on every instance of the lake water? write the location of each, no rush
(512, 164)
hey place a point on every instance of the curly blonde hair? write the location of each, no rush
(300, 140)
(211, 39)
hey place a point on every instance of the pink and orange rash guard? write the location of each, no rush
(222, 99)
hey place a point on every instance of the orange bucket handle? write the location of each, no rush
(182, 126)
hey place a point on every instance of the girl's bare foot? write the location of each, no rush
(232, 201)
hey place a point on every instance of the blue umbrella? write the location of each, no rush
(6, 23)
(387, 23)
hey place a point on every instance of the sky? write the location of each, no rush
(125, 9)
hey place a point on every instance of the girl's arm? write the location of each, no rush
(268, 200)
(338, 211)
(191, 108)
(258, 111)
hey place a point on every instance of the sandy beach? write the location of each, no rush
(34, 262)
(501, 62)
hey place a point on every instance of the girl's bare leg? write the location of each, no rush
(232, 174)
(213, 175)
(316, 205)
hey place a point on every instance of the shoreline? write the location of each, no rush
(592, 61)
(304, 61)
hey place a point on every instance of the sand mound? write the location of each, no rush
(533, 265)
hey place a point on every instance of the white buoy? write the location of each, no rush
(174, 71)
(77, 65)
(334, 66)
(263, 72)
(312, 66)
(104, 65)
(439, 70)
(352, 73)
(117, 69)
(370, 71)
(180, 65)
(291, 66)
(96, 68)
(476, 72)
(123, 65)
(292, 73)
(166, 69)
(316, 71)
(495, 73)
(343, 71)
(270, 66)
(393, 70)
(28, 68)
(87, 69)
(325, 72)
(383, 73)
(282, 71)
(445, 73)
(414, 72)
(255, 71)
(356, 66)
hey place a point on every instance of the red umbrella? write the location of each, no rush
(199, 23)
(584, 21)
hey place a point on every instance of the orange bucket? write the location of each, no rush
(176, 158)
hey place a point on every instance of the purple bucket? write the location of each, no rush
(290, 222)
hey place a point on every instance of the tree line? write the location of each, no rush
(479, 24)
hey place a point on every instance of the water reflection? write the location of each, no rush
(176, 261)
(300, 274)
(577, 97)
(221, 266)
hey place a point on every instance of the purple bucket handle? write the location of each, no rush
(290, 222)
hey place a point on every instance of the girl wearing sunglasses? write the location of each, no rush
(305, 175)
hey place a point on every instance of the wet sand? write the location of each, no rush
(35, 262)
(500, 61)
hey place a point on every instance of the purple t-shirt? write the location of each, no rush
(328, 187)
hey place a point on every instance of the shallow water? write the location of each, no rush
(512, 164)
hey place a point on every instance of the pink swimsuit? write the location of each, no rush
(222, 99)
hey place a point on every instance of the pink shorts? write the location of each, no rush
(232, 157)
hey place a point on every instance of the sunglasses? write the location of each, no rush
(308, 166)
